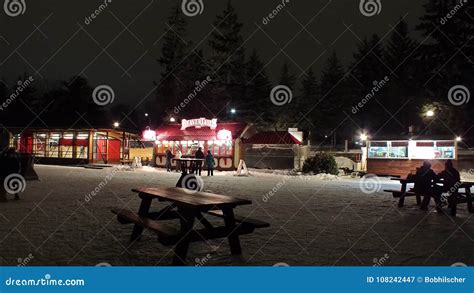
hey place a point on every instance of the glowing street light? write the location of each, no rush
(146, 114)
(116, 124)
(458, 138)
(172, 119)
(233, 111)
(430, 113)
(363, 137)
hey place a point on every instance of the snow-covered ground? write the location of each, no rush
(313, 222)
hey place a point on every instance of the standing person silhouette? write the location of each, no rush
(210, 164)
(199, 155)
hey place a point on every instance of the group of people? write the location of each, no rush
(209, 159)
(426, 183)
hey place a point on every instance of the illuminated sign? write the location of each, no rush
(149, 135)
(224, 134)
(199, 123)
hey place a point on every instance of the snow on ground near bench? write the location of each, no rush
(313, 222)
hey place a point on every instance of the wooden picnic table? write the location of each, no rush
(456, 198)
(187, 208)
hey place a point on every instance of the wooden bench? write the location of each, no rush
(402, 194)
(460, 198)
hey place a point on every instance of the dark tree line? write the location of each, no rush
(420, 74)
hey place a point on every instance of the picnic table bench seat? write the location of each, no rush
(242, 220)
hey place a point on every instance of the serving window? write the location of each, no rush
(421, 150)
(388, 149)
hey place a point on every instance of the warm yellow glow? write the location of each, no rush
(363, 136)
(430, 113)
(458, 138)
(172, 119)
(116, 124)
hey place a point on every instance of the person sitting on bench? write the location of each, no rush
(451, 179)
(425, 178)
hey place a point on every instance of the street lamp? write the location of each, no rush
(233, 111)
(458, 138)
(172, 119)
(363, 137)
(146, 114)
(116, 124)
(430, 113)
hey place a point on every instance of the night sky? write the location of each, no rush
(120, 47)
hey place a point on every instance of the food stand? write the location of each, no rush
(401, 157)
(222, 139)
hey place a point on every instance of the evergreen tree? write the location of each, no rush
(368, 68)
(227, 57)
(307, 100)
(447, 55)
(403, 88)
(256, 100)
(173, 53)
(332, 90)
(286, 78)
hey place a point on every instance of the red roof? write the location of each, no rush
(173, 132)
(273, 137)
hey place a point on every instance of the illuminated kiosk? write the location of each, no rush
(222, 139)
(401, 157)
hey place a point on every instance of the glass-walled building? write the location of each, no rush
(72, 146)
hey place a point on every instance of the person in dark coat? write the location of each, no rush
(210, 164)
(451, 180)
(199, 155)
(169, 156)
(10, 164)
(425, 179)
